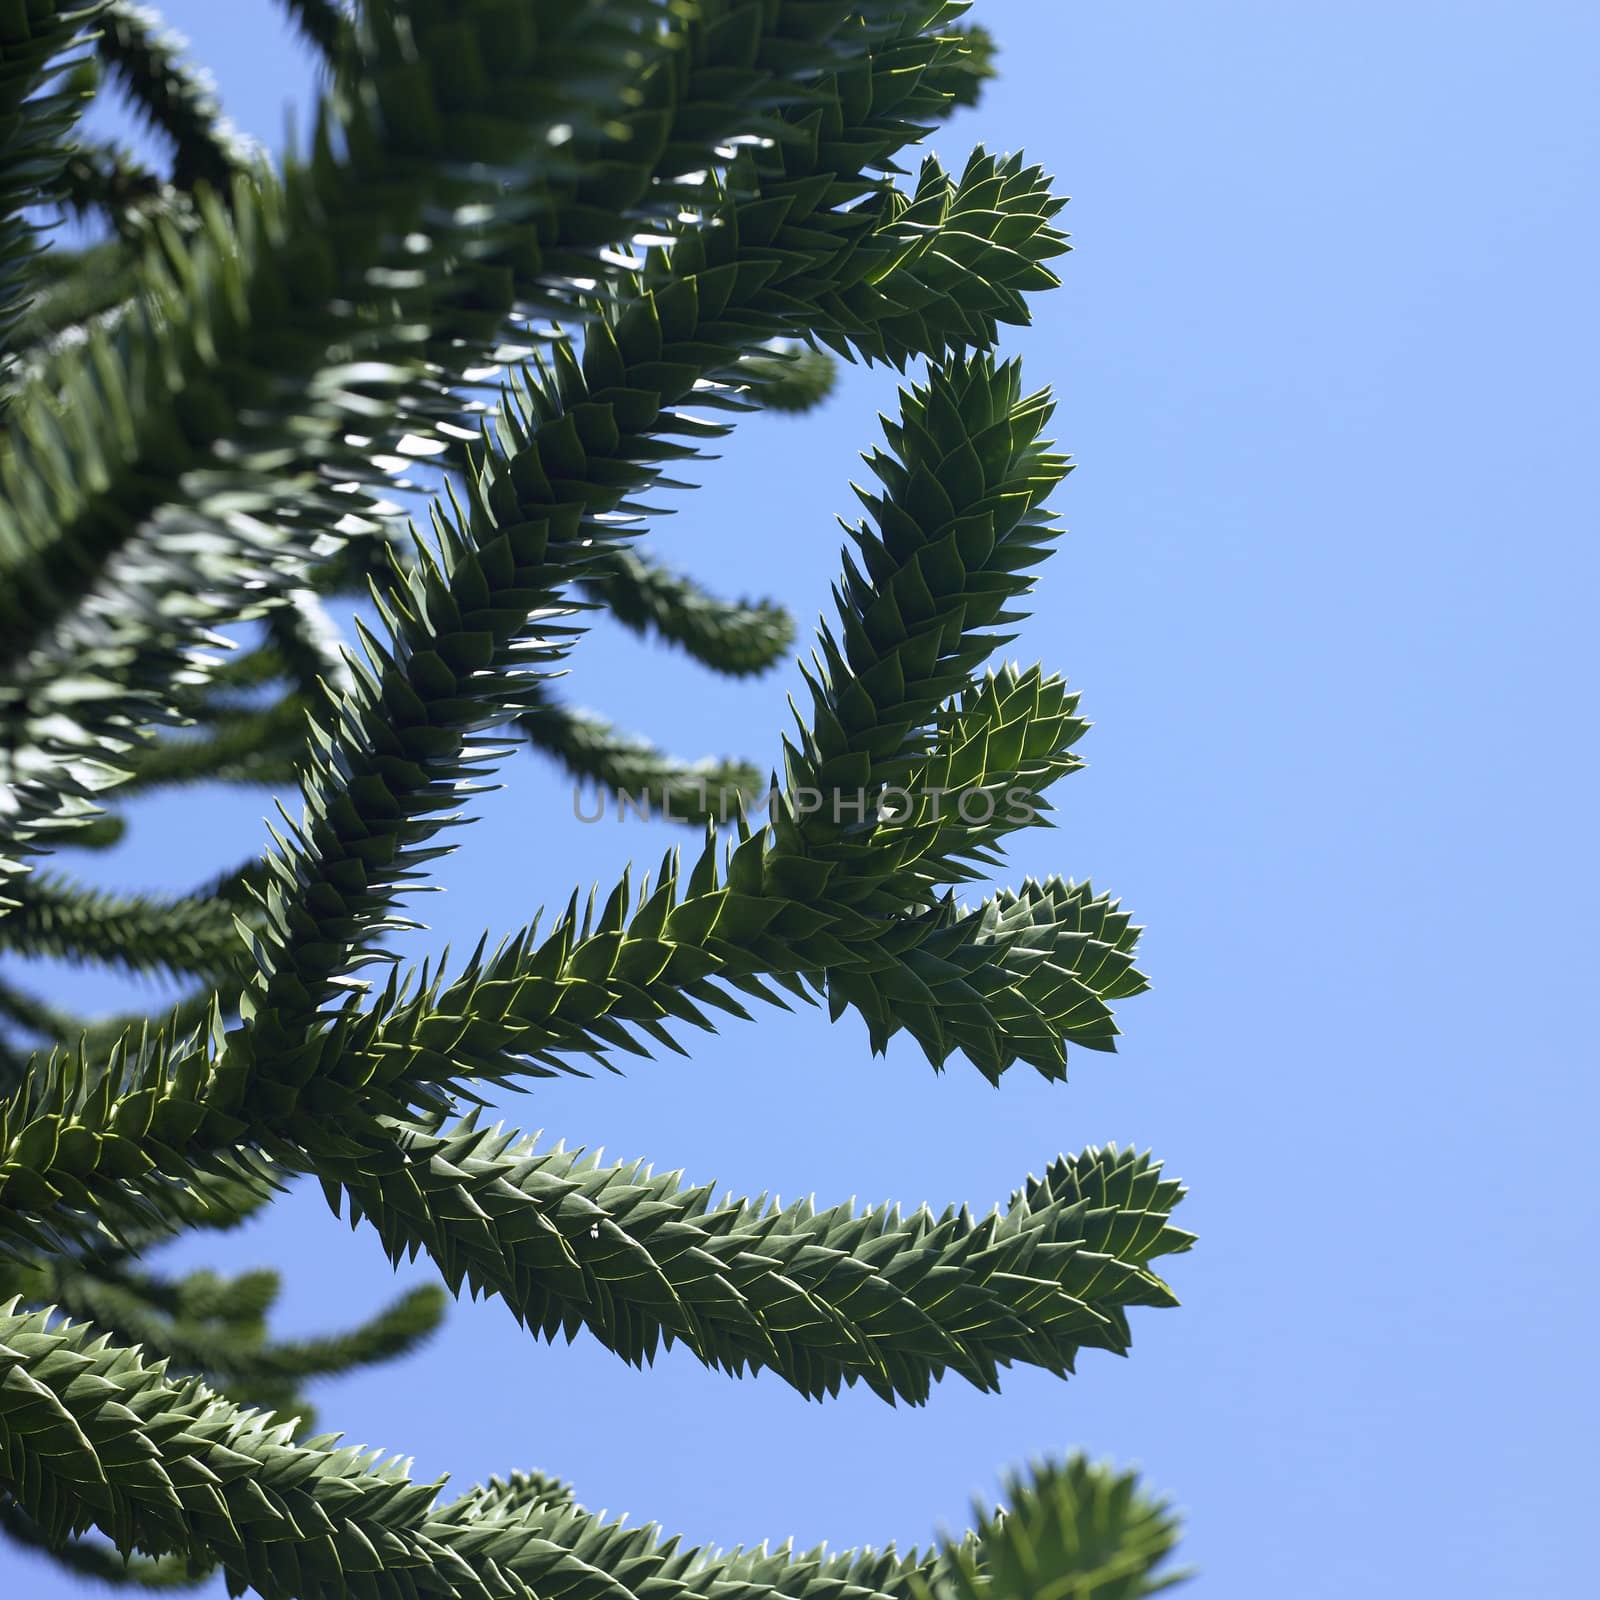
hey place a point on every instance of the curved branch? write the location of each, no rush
(824, 1299)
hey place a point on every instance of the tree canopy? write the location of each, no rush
(532, 254)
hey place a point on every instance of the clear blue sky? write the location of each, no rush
(1327, 356)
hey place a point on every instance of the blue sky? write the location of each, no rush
(1326, 355)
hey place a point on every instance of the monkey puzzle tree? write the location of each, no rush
(551, 246)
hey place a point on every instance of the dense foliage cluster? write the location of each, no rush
(549, 248)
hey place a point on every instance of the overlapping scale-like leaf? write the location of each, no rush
(1018, 977)
(630, 774)
(95, 1436)
(474, 621)
(957, 530)
(855, 911)
(33, 137)
(895, 85)
(241, 384)
(177, 101)
(98, 1561)
(135, 1141)
(289, 347)
(225, 1341)
(237, 338)
(730, 637)
(55, 916)
(221, 276)
(355, 301)
(1077, 1530)
(98, 1437)
(993, 755)
(822, 1298)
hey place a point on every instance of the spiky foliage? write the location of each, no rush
(545, 251)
